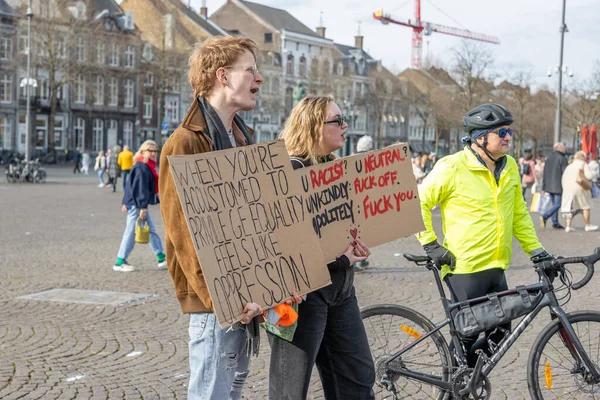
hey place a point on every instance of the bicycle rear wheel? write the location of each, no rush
(553, 372)
(391, 328)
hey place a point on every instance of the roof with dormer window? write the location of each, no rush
(279, 19)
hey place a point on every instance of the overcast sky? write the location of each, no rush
(528, 30)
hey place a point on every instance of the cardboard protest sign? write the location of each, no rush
(245, 216)
(372, 196)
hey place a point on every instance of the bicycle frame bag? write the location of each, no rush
(474, 319)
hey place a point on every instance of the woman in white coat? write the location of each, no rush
(575, 198)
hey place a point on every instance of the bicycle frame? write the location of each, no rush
(549, 299)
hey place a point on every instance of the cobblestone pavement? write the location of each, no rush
(65, 234)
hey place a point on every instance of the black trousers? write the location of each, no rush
(331, 334)
(469, 286)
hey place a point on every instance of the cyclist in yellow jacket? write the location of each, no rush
(479, 193)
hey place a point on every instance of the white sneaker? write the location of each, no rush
(162, 265)
(101, 185)
(123, 268)
(569, 229)
(591, 228)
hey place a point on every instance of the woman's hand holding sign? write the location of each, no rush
(357, 251)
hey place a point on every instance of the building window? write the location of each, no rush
(41, 129)
(275, 85)
(43, 89)
(97, 135)
(111, 133)
(113, 89)
(129, 56)
(59, 129)
(79, 90)
(147, 107)
(100, 53)
(290, 65)
(80, 49)
(5, 48)
(268, 38)
(302, 67)
(172, 109)
(149, 79)
(22, 44)
(80, 133)
(340, 69)
(129, 93)
(5, 88)
(99, 91)
(128, 133)
(5, 133)
(113, 59)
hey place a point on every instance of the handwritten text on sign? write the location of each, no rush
(245, 214)
(371, 195)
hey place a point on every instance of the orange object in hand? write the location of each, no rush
(287, 315)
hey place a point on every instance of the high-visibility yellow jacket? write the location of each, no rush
(480, 215)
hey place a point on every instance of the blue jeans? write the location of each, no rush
(218, 359)
(553, 211)
(128, 240)
(101, 176)
(125, 173)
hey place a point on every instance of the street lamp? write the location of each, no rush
(563, 29)
(560, 70)
(28, 82)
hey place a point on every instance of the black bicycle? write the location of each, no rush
(413, 360)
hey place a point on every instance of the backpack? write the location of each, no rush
(525, 169)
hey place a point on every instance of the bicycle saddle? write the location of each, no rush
(415, 258)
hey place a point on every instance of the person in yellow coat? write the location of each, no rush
(125, 162)
(479, 193)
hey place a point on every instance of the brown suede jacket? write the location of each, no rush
(191, 137)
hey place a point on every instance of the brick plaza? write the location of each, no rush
(66, 233)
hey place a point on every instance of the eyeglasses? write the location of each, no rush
(153, 151)
(504, 131)
(253, 69)
(340, 120)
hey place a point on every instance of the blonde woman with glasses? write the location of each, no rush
(330, 331)
(141, 190)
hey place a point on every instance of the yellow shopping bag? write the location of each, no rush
(535, 202)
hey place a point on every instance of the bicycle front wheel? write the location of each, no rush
(391, 328)
(554, 370)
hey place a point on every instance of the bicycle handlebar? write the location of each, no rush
(588, 261)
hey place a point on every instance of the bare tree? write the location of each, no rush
(470, 71)
(518, 99)
(59, 45)
(541, 115)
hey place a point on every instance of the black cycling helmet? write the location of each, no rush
(487, 116)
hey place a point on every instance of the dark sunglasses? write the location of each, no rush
(153, 151)
(504, 131)
(340, 120)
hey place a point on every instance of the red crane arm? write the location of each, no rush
(463, 33)
(386, 19)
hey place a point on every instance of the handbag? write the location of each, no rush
(535, 202)
(142, 231)
(583, 181)
(545, 203)
(595, 190)
(474, 319)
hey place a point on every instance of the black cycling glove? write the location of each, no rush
(440, 255)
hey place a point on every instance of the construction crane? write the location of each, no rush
(419, 28)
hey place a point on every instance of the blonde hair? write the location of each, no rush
(303, 129)
(210, 55)
(580, 155)
(145, 146)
